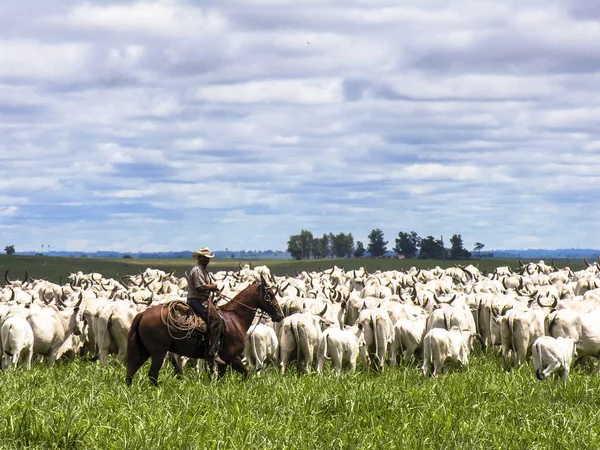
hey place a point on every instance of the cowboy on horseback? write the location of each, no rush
(199, 293)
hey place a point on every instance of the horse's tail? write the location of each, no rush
(135, 347)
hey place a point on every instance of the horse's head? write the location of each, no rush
(267, 300)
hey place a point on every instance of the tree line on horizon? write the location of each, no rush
(407, 245)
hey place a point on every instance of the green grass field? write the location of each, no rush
(83, 405)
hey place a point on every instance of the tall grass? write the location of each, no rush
(83, 405)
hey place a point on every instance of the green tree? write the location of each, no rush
(300, 245)
(295, 247)
(478, 247)
(9, 249)
(342, 245)
(360, 250)
(407, 244)
(457, 249)
(432, 248)
(320, 247)
(377, 246)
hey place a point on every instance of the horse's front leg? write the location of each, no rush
(238, 366)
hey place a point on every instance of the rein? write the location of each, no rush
(255, 310)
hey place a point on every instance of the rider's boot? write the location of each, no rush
(215, 331)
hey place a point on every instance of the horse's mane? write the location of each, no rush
(231, 304)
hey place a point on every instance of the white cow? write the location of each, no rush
(51, 329)
(518, 330)
(300, 332)
(408, 338)
(553, 356)
(379, 334)
(342, 347)
(17, 341)
(261, 346)
(584, 327)
(113, 322)
(442, 347)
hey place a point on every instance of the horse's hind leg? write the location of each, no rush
(134, 364)
(239, 366)
(157, 362)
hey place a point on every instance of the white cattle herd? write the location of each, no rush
(436, 316)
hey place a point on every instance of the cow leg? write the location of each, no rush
(283, 361)
(394, 353)
(410, 349)
(157, 362)
(15, 358)
(177, 365)
(29, 357)
(336, 359)
(564, 375)
(552, 367)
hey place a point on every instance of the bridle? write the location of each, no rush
(267, 296)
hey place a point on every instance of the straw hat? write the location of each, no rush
(204, 251)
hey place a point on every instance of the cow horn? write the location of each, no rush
(554, 265)
(587, 264)
(6, 277)
(553, 305)
(452, 299)
(12, 296)
(435, 297)
(262, 279)
(28, 278)
(79, 301)
(324, 310)
(282, 289)
(240, 265)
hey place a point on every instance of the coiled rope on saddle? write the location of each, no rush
(180, 318)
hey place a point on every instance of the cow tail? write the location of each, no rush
(297, 338)
(446, 319)
(325, 343)
(374, 325)
(511, 325)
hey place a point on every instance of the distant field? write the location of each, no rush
(55, 267)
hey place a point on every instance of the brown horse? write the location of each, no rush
(149, 337)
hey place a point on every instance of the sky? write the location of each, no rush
(172, 125)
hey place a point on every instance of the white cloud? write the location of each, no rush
(239, 124)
